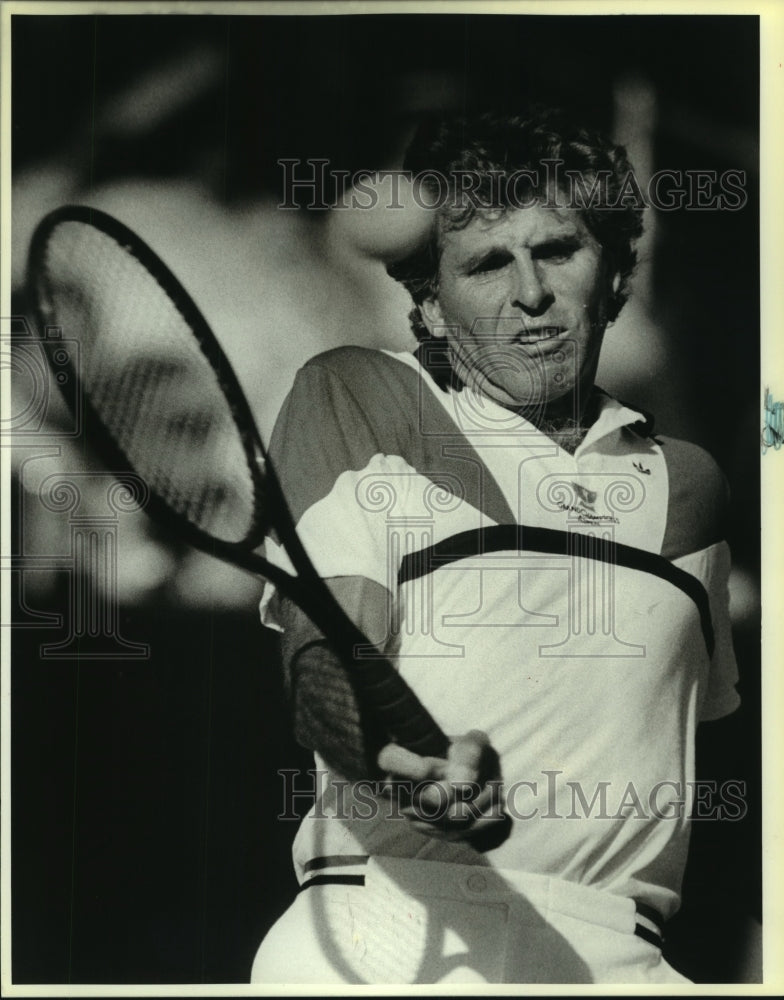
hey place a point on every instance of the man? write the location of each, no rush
(549, 577)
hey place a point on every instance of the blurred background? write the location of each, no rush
(146, 847)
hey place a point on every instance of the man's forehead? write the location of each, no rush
(518, 226)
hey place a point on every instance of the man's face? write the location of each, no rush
(522, 298)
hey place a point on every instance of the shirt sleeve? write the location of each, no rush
(339, 469)
(721, 697)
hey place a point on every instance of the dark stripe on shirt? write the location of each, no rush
(648, 935)
(352, 403)
(334, 861)
(333, 880)
(526, 538)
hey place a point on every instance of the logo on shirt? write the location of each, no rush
(586, 499)
(583, 506)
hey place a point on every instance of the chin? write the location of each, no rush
(539, 395)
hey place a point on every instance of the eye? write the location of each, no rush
(493, 262)
(556, 251)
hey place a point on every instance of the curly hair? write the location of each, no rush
(494, 153)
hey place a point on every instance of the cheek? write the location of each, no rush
(468, 305)
(586, 298)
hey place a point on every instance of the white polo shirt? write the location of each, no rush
(527, 597)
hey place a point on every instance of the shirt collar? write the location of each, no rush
(613, 414)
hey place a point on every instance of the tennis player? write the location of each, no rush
(548, 573)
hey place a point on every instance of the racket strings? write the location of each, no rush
(327, 714)
(148, 381)
(162, 404)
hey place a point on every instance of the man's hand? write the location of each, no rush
(456, 798)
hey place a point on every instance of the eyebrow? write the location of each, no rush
(569, 234)
(478, 256)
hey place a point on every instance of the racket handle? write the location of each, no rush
(387, 694)
(379, 685)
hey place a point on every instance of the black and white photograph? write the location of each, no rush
(390, 444)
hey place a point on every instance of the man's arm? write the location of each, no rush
(714, 937)
(325, 710)
(462, 792)
(698, 505)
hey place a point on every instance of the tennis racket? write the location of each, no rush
(160, 399)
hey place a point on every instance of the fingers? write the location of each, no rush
(457, 819)
(453, 798)
(402, 763)
(452, 832)
(472, 758)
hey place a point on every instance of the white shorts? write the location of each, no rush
(395, 920)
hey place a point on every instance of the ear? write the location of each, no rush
(611, 276)
(433, 317)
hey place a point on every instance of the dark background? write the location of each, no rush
(145, 842)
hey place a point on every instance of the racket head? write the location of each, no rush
(156, 393)
(104, 286)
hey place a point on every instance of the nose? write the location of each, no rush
(530, 291)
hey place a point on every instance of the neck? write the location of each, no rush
(567, 432)
(567, 422)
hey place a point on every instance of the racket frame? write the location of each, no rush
(307, 590)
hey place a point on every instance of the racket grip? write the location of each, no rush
(377, 683)
(386, 693)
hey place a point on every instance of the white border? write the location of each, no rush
(771, 14)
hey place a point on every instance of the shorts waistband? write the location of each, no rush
(482, 883)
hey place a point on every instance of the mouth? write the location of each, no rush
(538, 334)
